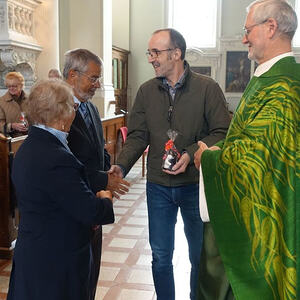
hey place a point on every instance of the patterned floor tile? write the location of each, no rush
(135, 295)
(140, 185)
(122, 243)
(107, 228)
(130, 197)
(109, 273)
(131, 230)
(123, 203)
(101, 292)
(114, 257)
(140, 277)
(117, 219)
(134, 190)
(140, 212)
(137, 221)
(144, 260)
(143, 206)
(120, 210)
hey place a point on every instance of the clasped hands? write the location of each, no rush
(116, 185)
(198, 154)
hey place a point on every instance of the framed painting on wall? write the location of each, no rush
(202, 70)
(238, 71)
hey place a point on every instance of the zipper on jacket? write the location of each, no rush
(170, 111)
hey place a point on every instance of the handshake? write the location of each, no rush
(116, 185)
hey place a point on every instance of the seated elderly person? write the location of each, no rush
(11, 118)
(52, 258)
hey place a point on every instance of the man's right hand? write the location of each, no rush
(198, 154)
(116, 184)
(115, 169)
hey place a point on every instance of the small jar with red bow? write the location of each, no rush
(171, 155)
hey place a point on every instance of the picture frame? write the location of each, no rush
(203, 70)
(238, 71)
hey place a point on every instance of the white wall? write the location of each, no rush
(80, 26)
(120, 23)
(46, 25)
(146, 16)
(233, 17)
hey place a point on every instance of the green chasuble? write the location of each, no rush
(252, 187)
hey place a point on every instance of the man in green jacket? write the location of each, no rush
(252, 179)
(194, 107)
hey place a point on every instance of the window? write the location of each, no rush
(296, 40)
(196, 20)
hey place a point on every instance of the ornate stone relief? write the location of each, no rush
(18, 46)
(18, 59)
(198, 58)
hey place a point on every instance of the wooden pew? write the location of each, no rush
(8, 213)
(111, 128)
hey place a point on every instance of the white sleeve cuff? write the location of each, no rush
(202, 199)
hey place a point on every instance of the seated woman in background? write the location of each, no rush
(11, 116)
(58, 210)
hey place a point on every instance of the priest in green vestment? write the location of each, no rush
(250, 182)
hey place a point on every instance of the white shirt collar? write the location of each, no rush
(266, 66)
(76, 100)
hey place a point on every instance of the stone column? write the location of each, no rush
(107, 90)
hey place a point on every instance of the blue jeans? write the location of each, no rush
(163, 203)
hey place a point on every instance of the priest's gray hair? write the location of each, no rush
(280, 10)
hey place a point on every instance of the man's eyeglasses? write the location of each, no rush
(248, 29)
(155, 52)
(93, 80)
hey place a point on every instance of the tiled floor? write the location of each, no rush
(126, 255)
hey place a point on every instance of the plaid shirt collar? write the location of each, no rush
(178, 84)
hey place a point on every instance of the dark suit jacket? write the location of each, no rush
(57, 208)
(89, 149)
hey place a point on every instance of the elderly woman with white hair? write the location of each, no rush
(11, 116)
(58, 210)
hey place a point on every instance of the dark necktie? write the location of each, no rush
(85, 113)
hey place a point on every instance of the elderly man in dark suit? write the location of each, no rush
(82, 70)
